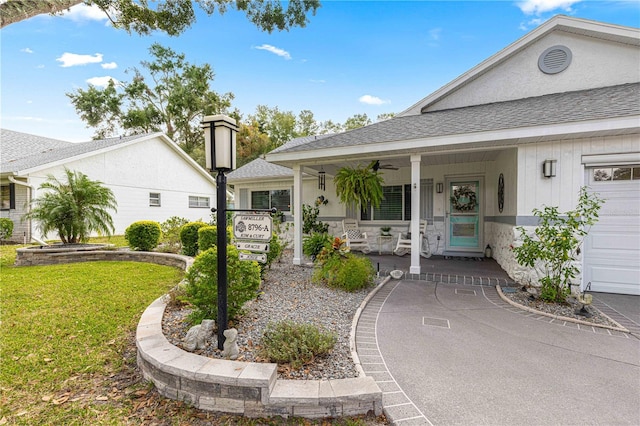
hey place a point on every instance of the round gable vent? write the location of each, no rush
(554, 60)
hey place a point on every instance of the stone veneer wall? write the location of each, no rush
(249, 389)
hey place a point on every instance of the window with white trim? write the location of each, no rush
(605, 174)
(278, 198)
(396, 204)
(154, 199)
(196, 202)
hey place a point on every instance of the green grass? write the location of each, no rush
(66, 324)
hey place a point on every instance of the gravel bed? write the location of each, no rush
(522, 297)
(287, 294)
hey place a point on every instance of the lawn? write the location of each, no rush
(67, 336)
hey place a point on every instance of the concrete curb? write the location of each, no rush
(559, 317)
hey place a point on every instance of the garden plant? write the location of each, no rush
(143, 235)
(295, 344)
(338, 267)
(6, 228)
(554, 246)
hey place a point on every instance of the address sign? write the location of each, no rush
(252, 227)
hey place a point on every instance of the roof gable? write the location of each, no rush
(607, 54)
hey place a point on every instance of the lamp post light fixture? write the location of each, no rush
(549, 168)
(220, 152)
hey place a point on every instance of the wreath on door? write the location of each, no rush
(464, 198)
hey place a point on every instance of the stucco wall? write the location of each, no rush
(132, 172)
(595, 63)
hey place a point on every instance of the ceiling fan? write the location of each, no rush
(377, 166)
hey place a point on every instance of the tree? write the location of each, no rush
(357, 121)
(73, 208)
(175, 104)
(170, 16)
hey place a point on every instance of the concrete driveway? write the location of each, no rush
(449, 354)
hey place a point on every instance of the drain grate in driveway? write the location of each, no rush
(467, 292)
(436, 322)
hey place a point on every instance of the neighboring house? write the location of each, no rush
(567, 93)
(150, 176)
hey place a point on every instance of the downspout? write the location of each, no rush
(31, 191)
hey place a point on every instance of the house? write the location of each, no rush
(554, 111)
(150, 176)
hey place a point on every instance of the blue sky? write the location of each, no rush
(353, 57)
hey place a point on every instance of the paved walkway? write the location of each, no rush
(447, 354)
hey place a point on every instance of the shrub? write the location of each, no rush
(143, 235)
(314, 243)
(310, 222)
(296, 344)
(171, 231)
(337, 267)
(243, 280)
(189, 237)
(6, 228)
(208, 236)
(555, 245)
(275, 251)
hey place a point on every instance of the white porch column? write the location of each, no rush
(297, 215)
(415, 215)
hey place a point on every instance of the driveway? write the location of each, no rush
(449, 354)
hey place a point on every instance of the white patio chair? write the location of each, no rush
(403, 246)
(354, 237)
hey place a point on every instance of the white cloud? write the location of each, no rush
(82, 13)
(275, 50)
(26, 50)
(371, 100)
(101, 81)
(536, 7)
(109, 65)
(434, 33)
(73, 59)
(318, 81)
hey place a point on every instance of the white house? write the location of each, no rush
(567, 95)
(150, 176)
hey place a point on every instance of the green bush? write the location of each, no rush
(310, 222)
(189, 237)
(342, 269)
(143, 235)
(171, 232)
(208, 236)
(6, 228)
(313, 244)
(296, 344)
(243, 281)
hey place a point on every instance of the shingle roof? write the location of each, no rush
(559, 108)
(21, 151)
(259, 168)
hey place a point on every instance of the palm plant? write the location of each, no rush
(73, 208)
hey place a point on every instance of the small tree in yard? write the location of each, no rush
(73, 208)
(555, 245)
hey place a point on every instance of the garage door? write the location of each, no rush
(612, 248)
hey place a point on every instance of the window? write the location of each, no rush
(198, 202)
(278, 198)
(603, 174)
(154, 199)
(396, 204)
(7, 197)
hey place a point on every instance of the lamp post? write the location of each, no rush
(220, 152)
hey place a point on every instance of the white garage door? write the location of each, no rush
(612, 248)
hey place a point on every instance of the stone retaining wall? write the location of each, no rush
(249, 389)
(246, 388)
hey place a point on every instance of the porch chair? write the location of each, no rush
(403, 246)
(354, 237)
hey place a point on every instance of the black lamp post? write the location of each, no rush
(220, 152)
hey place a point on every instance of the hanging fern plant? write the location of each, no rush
(360, 185)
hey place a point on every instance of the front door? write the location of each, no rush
(464, 218)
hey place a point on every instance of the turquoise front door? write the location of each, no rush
(464, 230)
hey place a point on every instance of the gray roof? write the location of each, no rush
(259, 168)
(558, 108)
(300, 141)
(22, 151)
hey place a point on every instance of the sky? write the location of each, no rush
(353, 57)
